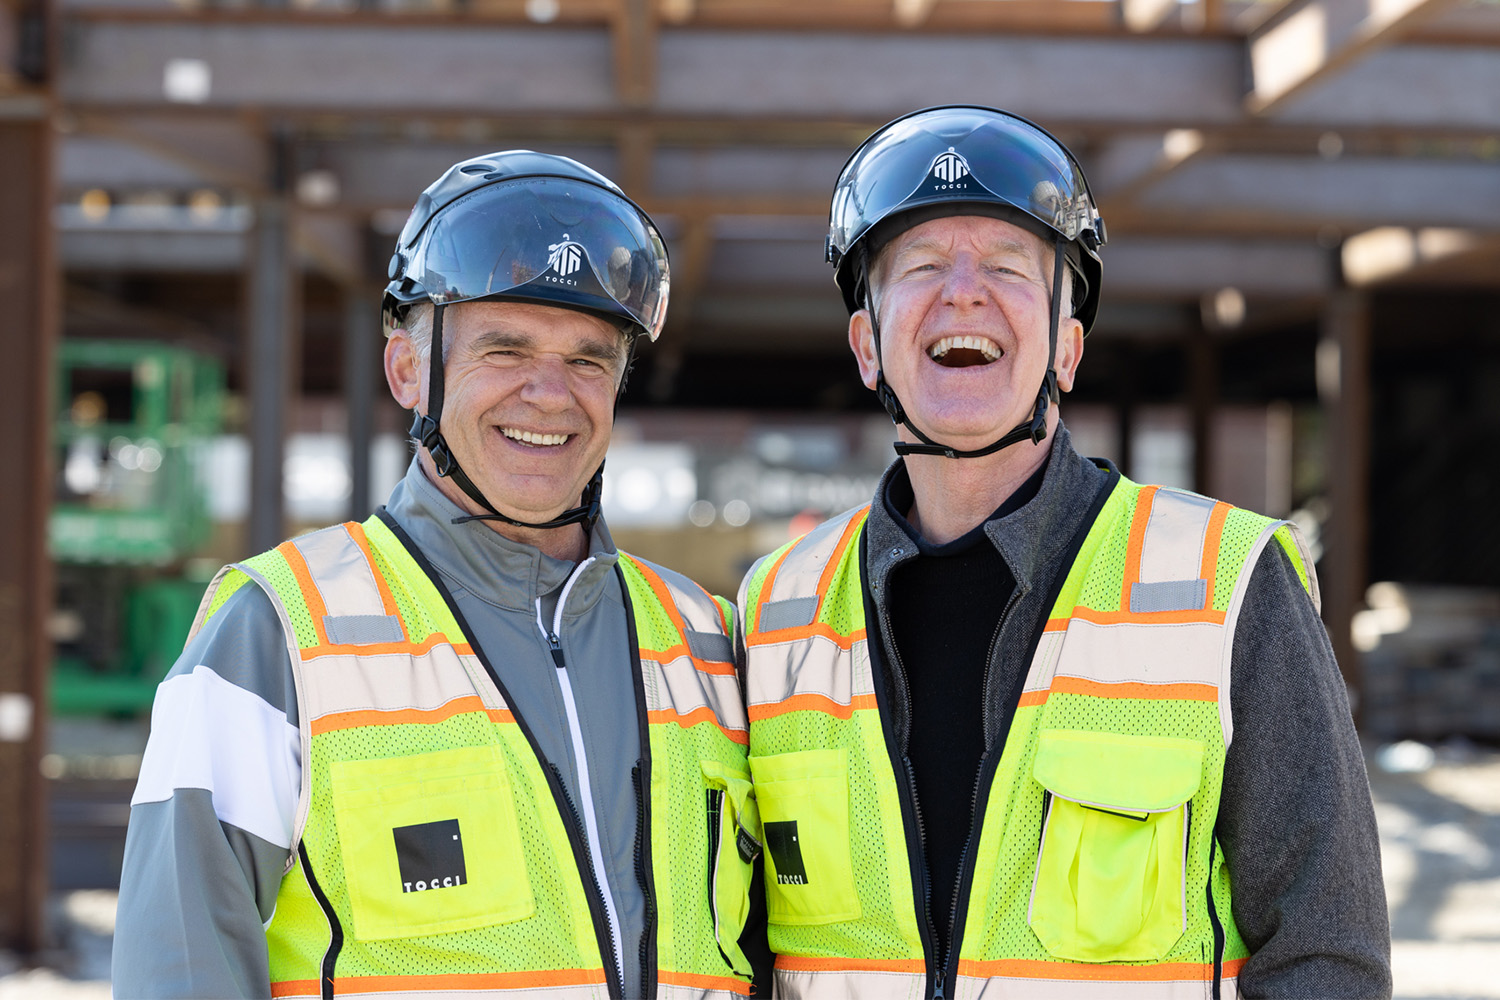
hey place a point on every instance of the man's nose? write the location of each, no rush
(547, 385)
(965, 285)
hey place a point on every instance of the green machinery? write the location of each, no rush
(134, 423)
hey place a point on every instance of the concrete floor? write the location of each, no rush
(1440, 836)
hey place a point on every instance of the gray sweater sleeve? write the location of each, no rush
(1296, 820)
(209, 833)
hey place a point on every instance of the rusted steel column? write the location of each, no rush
(1344, 389)
(29, 287)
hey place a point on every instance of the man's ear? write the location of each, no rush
(1069, 353)
(862, 343)
(403, 370)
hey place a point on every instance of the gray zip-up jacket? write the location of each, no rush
(212, 816)
(1295, 817)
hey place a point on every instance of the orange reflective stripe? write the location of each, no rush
(407, 716)
(1211, 538)
(1032, 698)
(1146, 617)
(296, 988)
(664, 597)
(1184, 691)
(468, 981)
(696, 981)
(770, 582)
(381, 648)
(679, 650)
(310, 593)
(837, 558)
(357, 532)
(693, 718)
(1029, 968)
(813, 703)
(808, 963)
(1143, 501)
(805, 632)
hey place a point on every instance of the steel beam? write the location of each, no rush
(271, 353)
(28, 286)
(362, 352)
(1308, 40)
(1344, 388)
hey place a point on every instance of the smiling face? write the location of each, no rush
(963, 305)
(528, 400)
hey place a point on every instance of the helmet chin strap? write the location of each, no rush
(1033, 430)
(425, 432)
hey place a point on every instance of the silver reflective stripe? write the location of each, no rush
(361, 630)
(800, 985)
(1027, 988)
(799, 573)
(1173, 545)
(1133, 652)
(341, 572)
(711, 646)
(793, 613)
(1169, 595)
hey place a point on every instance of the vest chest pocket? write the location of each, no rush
(1110, 882)
(429, 843)
(804, 812)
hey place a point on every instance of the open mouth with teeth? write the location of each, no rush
(964, 352)
(533, 438)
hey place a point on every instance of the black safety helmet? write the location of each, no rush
(965, 160)
(529, 227)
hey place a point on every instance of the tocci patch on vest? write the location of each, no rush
(430, 855)
(786, 852)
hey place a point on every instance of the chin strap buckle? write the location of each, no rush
(424, 431)
(1046, 394)
(887, 397)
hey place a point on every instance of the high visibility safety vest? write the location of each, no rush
(434, 850)
(1091, 869)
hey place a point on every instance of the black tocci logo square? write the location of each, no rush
(786, 852)
(430, 855)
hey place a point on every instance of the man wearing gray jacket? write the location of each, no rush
(1022, 727)
(466, 746)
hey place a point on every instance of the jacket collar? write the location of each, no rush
(491, 567)
(1028, 538)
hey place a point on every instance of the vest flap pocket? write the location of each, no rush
(1117, 770)
(804, 811)
(1110, 883)
(733, 845)
(429, 843)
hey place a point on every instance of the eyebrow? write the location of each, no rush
(586, 347)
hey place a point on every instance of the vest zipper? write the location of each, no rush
(611, 957)
(1213, 919)
(644, 876)
(590, 823)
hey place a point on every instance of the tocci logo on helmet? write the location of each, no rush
(950, 167)
(565, 258)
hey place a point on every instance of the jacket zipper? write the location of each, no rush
(907, 789)
(947, 973)
(560, 797)
(585, 790)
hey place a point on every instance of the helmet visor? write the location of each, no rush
(955, 155)
(548, 239)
